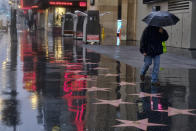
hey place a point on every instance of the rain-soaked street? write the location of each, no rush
(52, 83)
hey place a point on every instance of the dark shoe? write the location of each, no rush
(155, 83)
(142, 77)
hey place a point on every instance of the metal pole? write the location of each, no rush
(13, 30)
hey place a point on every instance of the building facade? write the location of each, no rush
(131, 12)
(49, 12)
(181, 34)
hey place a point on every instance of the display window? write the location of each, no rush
(59, 12)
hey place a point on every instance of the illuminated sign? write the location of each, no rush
(82, 4)
(61, 3)
(68, 3)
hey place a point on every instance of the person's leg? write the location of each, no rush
(155, 71)
(147, 63)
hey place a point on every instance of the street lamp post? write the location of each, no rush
(13, 31)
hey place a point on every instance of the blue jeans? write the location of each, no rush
(147, 62)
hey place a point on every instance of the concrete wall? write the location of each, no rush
(108, 21)
(124, 19)
(95, 7)
(179, 34)
(129, 14)
(193, 26)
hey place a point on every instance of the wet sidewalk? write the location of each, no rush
(175, 58)
(52, 83)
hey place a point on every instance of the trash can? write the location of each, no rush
(91, 32)
(79, 27)
(68, 24)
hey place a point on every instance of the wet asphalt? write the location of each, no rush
(50, 83)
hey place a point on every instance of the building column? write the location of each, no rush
(129, 14)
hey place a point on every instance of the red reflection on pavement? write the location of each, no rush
(35, 6)
(155, 103)
(74, 94)
(29, 64)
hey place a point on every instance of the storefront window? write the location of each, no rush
(59, 12)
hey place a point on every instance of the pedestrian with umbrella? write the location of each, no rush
(151, 41)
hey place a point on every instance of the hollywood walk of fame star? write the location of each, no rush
(75, 71)
(101, 68)
(123, 83)
(72, 65)
(91, 63)
(144, 94)
(115, 103)
(173, 111)
(82, 59)
(141, 124)
(95, 89)
(85, 79)
(111, 75)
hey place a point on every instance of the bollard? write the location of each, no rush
(102, 33)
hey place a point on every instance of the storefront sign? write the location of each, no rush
(61, 3)
(74, 3)
(82, 4)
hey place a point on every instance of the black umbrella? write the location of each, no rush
(161, 18)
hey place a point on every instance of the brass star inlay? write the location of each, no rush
(144, 94)
(115, 103)
(101, 68)
(141, 124)
(123, 83)
(96, 89)
(111, 75)
(173, 111)
(85, 79)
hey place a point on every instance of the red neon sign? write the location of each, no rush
(82, 4)
(61, 3)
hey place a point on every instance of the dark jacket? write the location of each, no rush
(151, 41)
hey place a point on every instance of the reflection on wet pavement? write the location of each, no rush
(52, 84)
